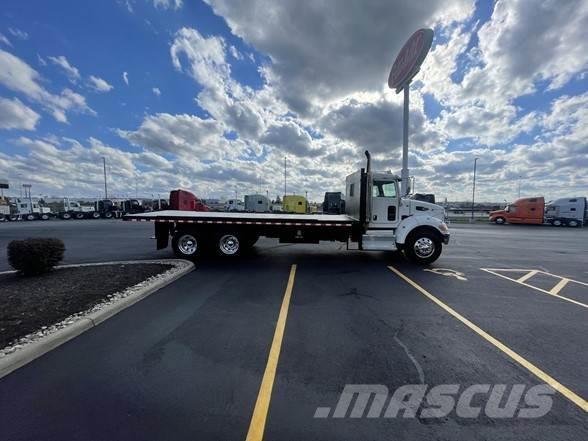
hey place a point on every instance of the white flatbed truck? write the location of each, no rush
(377, 219)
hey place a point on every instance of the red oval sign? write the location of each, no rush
(410, 58)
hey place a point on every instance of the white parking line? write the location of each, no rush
(530, 273)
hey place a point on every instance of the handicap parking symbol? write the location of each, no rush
(447, 272)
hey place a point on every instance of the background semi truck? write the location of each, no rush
(572, 212)
(378, 218)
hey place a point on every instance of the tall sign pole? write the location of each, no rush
(405, 67)
(474, 189)
(404, 174)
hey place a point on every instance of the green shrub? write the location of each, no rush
(35, 256)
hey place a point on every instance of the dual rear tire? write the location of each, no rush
(190, 245)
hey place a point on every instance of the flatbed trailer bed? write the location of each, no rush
(246, 228)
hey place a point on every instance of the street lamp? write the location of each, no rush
(474, 189)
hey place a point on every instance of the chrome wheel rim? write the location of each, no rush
(187, 244)
(499, 220)
(228, 244)
(424, 247)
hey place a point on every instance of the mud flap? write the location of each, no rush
(162, 234)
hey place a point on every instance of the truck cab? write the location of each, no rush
(521, 211)
(388, 221)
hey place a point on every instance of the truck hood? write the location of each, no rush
(497, 212)
(421, 207)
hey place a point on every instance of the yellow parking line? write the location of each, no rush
(560, 285)
(544, 291)
(527, 276)
(572, 396)
(257, 425)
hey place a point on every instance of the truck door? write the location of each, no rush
(384, 203)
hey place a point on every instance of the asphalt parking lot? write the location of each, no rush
(205, 357)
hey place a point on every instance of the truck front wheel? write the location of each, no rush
(423, 247)
(500, 220)
(186, 245)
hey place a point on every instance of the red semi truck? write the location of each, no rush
(572, 212)
(185, 201)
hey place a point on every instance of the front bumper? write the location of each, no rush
(446, 238)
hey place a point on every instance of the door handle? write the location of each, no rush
(375, 217)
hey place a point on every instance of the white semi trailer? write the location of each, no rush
(377, 218)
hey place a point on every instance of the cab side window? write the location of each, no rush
(382, 189)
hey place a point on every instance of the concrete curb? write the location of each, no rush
(35, 349)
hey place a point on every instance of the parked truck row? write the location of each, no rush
(17, 208)
(571, 212)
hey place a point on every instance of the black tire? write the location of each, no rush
(45, 216)
(187, 245)
(108, 215)
(229, 243)
(65, 216)
(556, 223)
(30, 217)
(500, 220)
(95, 215)
(3, 218)
(12, 218)
(423, 247)
(79, 215)
(573, 223)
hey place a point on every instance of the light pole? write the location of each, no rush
(285, 188)
(474, 189)
(105, 185)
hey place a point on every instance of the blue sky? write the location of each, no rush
(218, 92)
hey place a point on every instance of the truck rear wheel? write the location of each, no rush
(556, 223)
(423, 247)
(573, 223)
(186, 245)
(30, 217)
(44, 216)
(95, 215)
(65, 216)
(229, 244)
(108, 215)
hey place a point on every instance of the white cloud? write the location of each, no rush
(125, 76)
(5, 40)
(72, 72)
(291, 138)
(156, 91)
(235, 53)
(168, 4)
(15, 115)
(19, 77)
(99, 85)
(327, 51)
(22, 35)
(179, 135)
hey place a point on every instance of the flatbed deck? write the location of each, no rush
(214, 217)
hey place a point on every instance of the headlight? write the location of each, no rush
(443, 227)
